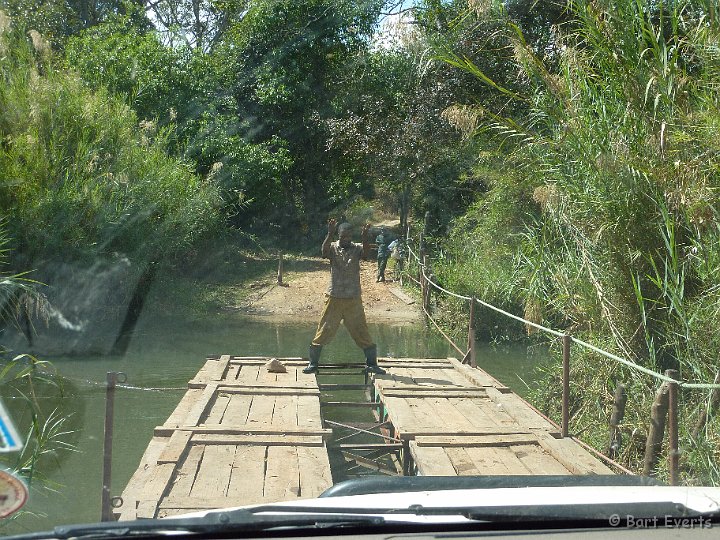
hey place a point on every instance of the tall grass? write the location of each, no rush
(608, 196)
(25, 384)
(80, 176)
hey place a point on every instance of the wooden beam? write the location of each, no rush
(262, 439)
(176, 447)
(259, 387)
(475, 441)
(366, 446)
(329, 387)
(349, 404)
(571, 455)
(369, 463)
(246, 430)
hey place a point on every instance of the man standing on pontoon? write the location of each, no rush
(343, 302)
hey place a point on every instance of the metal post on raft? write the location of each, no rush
(566, 386)
(424, 284)
(471, 335)
(673, 450)
(428, 288)
(112, 379)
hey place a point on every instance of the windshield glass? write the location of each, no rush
(250, 250)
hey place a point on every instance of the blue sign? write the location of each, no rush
(9, 439)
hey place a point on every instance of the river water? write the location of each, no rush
(164, 354)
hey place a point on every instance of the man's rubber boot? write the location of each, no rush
(371, 360)
(314, 355)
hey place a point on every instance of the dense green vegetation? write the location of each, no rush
(565, 150)
(600, 216)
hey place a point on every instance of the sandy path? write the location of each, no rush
(304, 294)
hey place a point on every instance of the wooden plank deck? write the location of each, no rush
(461, 421)
(240, 435)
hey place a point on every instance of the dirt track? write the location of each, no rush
(304, 293)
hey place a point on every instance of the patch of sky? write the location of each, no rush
(395, 25)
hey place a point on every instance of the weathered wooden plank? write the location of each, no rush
(163, 512)
(441, 376)
(148, 461)
(270, 391)
(572, 456)
(157, 483)
(461, 461)
(380, 447)
(475, 375)
(429, 387)
(232, 373)
(249, 373)
(175, 506)
(515, 407)
(509, 439)
(189, 399)
(230, 385)
(176, 447)
(268, 378)
(146, 509)
(419, 392)
(204, 401)
(261, 410)
(186, 472)
(213, 370)
(488, 461)
(506, 456)
(537, 460)
(215, 415)
(261, 439)
(315, 475)
(201, 375)
(282, 475)
(426, 417)
(400, 413)
(418, 361)
(285, 382)
(444, 408)
(236, 413)
(472, 410)
(248, 474)
(497, 413)
(432, 461)
(247, 429)
(216, 371)
(213, 476)
(286, 412)
(259, 360)
(308, 412)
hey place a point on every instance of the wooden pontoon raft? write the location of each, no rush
(242, 435)
(239, 436)
(456, 420)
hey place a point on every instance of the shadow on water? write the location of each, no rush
(164, 353)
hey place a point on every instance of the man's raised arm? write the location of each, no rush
(332, 225)
(366, 246)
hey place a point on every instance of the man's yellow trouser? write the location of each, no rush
(347, 310)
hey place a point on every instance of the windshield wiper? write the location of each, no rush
(214, 522)
(271, 517)
(661, 513)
